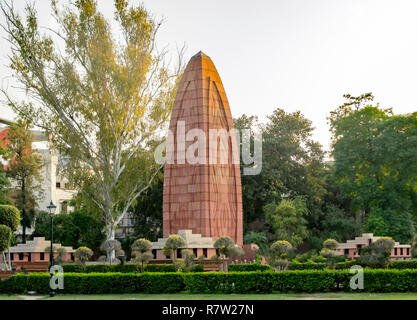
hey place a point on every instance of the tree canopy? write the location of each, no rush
(103, 99)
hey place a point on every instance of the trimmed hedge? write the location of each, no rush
(375, 280)
(97, 283)
(246, 267)
(403, 264)
(295, 265)
(122, 268)
(396, 264)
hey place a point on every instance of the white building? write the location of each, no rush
(53, 185)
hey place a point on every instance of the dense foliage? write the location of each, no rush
(369, 184)
(24, 170)
(378, 280)
(76, 229)
(9, 216)
(124, 268)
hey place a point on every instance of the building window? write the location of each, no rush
(195, 252)
(154, 253)
(12, 256)
(218, 252)
(42, 256)
(408, 251)
(346, 251)
(401, 251)
(395, 251)
(58, 184)
(179, 254)
(21, 256)
(205, 252)
(30, 257)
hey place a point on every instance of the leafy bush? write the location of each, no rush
(9, 216)
(309, 265)
(378, 280)
(258, 238)
(377, 252)
(97, 283)
(330, 244)
(173, 243)
(403, 264)
(279, 252)
(231, 282)
(83, 254)
(245, 267)
(280, 249)
(122, 268)
(5, 236)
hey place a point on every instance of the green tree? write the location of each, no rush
(292, 165)
(377, 252)
(254, 189)
(109, 246)
(329, 251)
(83, 254)
(5, 237)
(10, 216)
(224, 245)
(25, 170)
(278, 254)
(148, 211)
(373, 151)
(141, 249)
(338, 224)
(79, 228)
(258, 238)
(103, 98)
(173, 243)
(188, 261)
(9, 222)
(288, 220)
(4, 188)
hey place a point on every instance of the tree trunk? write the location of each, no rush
(23, 212)
(111, 255)
(10, 261)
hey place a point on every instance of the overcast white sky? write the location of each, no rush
(293, 54)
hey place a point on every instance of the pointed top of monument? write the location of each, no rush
(200, 54)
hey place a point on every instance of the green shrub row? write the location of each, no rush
(97, 283)
(246, 267)
(295, 265)
(375, 280)
(123, 268)
(397, 264)
(403, 264)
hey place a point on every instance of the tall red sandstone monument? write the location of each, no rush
(205, 198)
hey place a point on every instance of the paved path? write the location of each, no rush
(31, 297)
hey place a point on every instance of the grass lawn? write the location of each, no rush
(185, 296)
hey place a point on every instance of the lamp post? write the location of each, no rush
(51, 209)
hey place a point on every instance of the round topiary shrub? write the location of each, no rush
(331, 244)
(5, 236)
(142, 245)
(281, 249)
(83, 254)
(9, 216)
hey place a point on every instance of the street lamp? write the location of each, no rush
(51, 209)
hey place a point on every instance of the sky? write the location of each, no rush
(290, 54)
